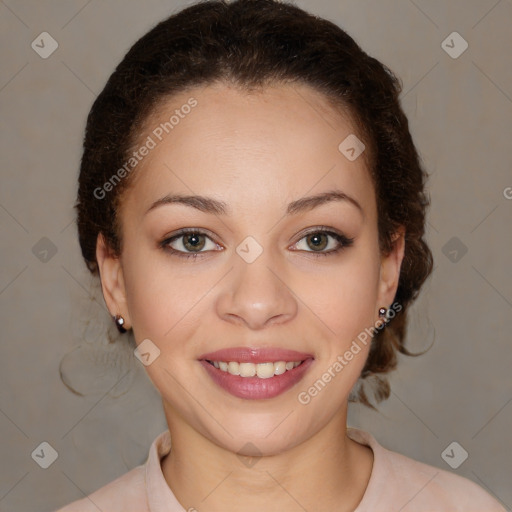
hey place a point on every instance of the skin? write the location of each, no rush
(256, 152)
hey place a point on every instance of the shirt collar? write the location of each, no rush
(159, 495)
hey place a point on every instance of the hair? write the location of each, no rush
(252, 44)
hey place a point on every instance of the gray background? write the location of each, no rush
(53, 317)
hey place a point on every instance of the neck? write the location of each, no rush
(326, 472)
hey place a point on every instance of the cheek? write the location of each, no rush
(163, 308)
(166, 301)
(343, 299)
(157, 297)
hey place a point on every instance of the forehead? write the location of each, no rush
(250, 149)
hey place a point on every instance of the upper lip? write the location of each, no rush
(255, 355)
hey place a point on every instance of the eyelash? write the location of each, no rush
(340, 238)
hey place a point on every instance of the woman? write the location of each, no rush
(254, 206)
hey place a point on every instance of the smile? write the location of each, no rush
(256, 381)
(260, 370)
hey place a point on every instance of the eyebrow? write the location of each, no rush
(216, 207)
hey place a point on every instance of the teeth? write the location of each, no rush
(265, 370)
(262, 370)
(233, 368)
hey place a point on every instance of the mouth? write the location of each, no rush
(255, 374)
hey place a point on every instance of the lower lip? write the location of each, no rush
(254, 388)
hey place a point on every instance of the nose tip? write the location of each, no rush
(255, 295)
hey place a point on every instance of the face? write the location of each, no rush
(264, 272)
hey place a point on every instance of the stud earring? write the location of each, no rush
(119, 320)
(383, 313)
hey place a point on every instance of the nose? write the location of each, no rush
(256, 294)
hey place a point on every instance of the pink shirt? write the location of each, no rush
(397, 483)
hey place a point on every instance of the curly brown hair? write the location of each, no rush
(251, 44)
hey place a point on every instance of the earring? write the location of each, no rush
(383, 313)
(119, 320)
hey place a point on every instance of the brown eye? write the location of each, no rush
(317, 241)
(193, 241)
(189, 243)
(320, 240)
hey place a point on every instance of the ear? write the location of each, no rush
(112, 280)
(390, 270)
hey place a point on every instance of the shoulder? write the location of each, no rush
(131, 491)
(428, 486)
(399, 482)
(124, 494)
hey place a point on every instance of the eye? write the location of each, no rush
(192, 242)
(189, 243)
(321, 239)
